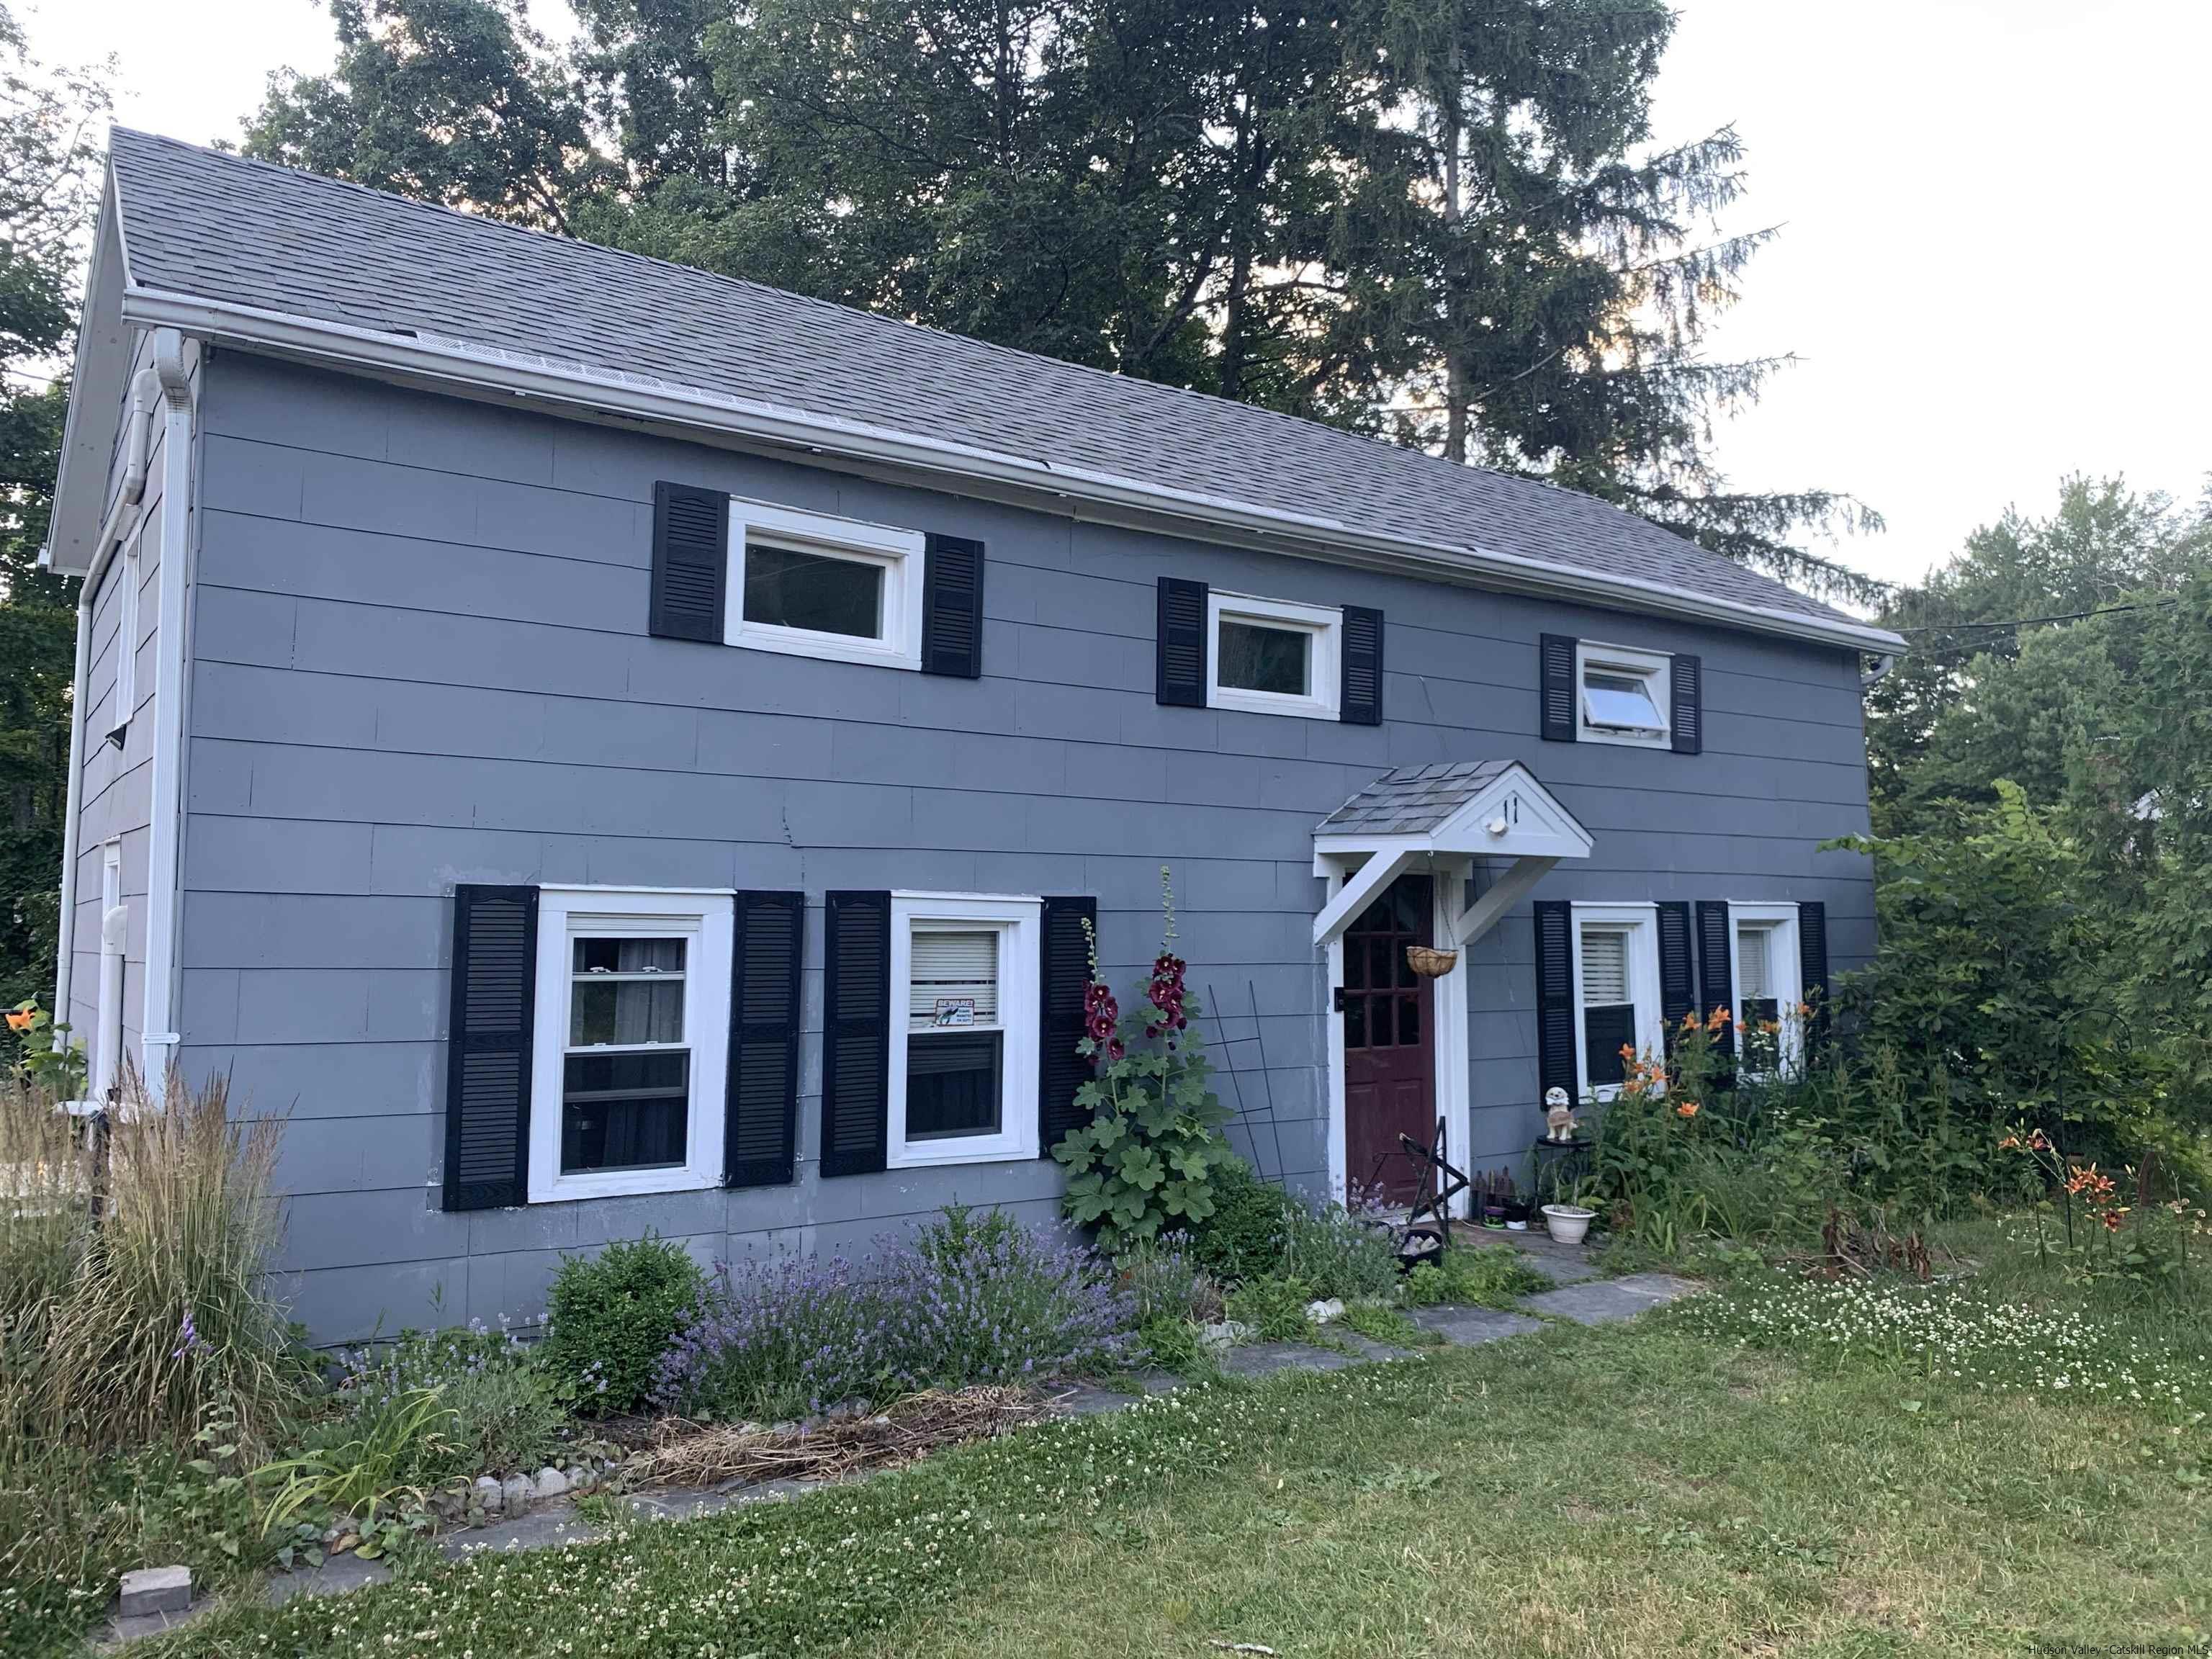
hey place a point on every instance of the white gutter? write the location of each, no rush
(162, 875)
(138, 443)
(450, 362)
(64, 934)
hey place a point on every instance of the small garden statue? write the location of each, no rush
(1557, 1114)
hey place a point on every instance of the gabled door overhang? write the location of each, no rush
(1439, 820)
(1415, 818)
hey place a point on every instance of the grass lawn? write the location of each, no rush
(1649, 1489)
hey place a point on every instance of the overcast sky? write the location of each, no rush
(1993, 253)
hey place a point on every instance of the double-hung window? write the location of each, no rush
(1275, 656)
(632, 1041)
(1622, 694)
(1766, 970)
(1616, 961)
(964, 1064)
(813, 585)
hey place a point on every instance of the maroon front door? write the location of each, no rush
(1389, 1053)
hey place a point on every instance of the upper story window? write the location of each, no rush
(1616, 953)
(1275, 656)
(963, 1069)
(1622, 694)
(817, 585)
(632, 1032)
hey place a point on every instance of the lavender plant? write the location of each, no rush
(964, 1303)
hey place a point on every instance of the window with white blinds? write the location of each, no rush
(1605, 969)
(1753, 967)
(953, 980)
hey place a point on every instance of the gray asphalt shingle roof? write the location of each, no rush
(1411, 800)
(215, 226)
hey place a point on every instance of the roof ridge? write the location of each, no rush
(1396, 454)
(204, 222)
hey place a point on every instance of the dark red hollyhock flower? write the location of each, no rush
(1102, 1016)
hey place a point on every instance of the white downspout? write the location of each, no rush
(139, 444)
(162, 875)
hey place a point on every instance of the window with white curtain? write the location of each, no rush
(964, 1064)
(1616, 992)
(1767, 973)
(632, 1041)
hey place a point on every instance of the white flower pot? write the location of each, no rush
(1568, 1223)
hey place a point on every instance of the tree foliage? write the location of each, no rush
(50, 134)
(1444, 222)
(2046, 789)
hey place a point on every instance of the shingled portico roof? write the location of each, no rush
(1459, 810)
(1413, 801)
(247, 253)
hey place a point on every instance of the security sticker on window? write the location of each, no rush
(955, 1011)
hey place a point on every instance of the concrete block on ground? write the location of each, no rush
(154, 1589)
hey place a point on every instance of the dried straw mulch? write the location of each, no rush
(683, 1453)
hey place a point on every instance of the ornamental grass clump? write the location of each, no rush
(968, 1301)
(169, 1308)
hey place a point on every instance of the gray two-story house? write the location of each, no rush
(598, 748)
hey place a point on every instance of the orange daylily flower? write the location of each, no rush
(1719, 1017)
(1687, 1109)
(1804, 1011)
(19, 1020)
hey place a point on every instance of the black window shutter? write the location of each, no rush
(1181, 643)
(856, 1031)
(690, 561)
(1813, 966)
(761, 1111)
(1715, 980)
(1556, 665)
(1555, 998)
(1362, 668)
(952, 607)
(494, 991)
(1686, 683)
(1678, 989)
(1063, 975)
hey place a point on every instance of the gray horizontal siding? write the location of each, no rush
(420, 658)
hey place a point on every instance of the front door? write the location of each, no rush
(1390, 1049)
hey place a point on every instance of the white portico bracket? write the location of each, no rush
(1360, 890)
(1505, 893)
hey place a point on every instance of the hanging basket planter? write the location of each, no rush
(1431, 964)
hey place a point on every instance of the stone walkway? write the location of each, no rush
(1578, 1295)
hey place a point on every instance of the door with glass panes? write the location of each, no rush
(1390, 1046)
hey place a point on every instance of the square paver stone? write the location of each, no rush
(1602, 1300)
(1265, 1359)
(1467, 1325)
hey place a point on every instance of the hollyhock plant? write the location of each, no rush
(1143, 1162)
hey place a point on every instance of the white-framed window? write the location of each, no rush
(632, 1041)
(964, 1035)
(813, 585)
(1274, 656)
(1768, 976)
(1622, 694)
(1616, 993)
